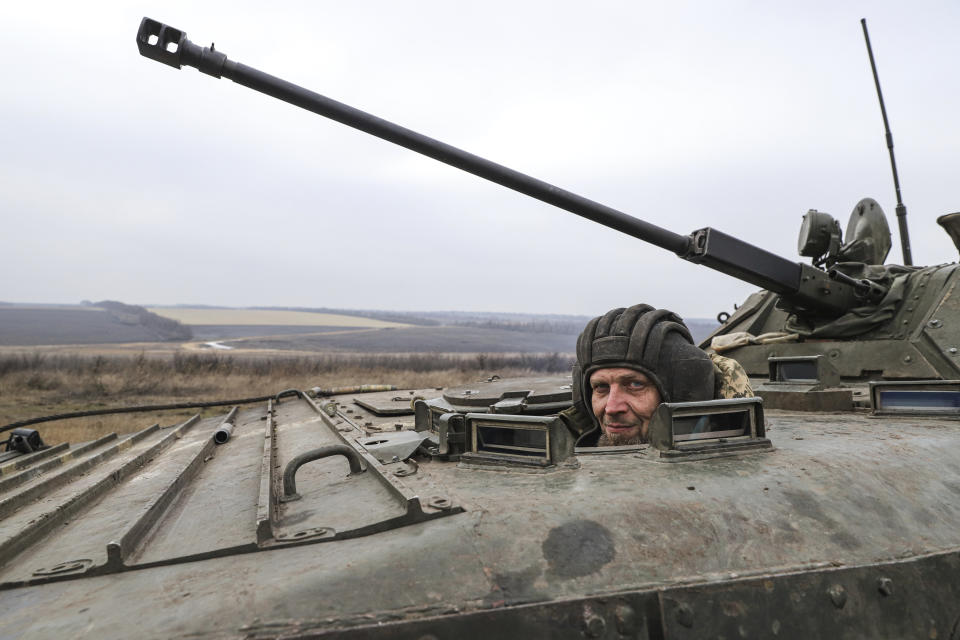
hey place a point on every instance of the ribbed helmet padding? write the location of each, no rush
(655, 342)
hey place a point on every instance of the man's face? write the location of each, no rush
(623, 401)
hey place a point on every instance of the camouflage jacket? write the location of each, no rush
(730, 380)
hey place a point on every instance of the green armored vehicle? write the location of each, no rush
(829, 506)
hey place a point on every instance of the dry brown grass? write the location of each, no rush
(38, 384)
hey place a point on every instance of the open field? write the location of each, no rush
(254, 317)
(417, 340)
(440, 339)
(40, 384)
(230, 331)
(21, 325)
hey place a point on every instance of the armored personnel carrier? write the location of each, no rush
(829, 506)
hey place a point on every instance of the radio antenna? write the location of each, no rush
(901, 208)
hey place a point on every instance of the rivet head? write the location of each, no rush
(885, 586)
(935, 323)
(908, 358)
(685, 615)
(953, 351)
(838, 595)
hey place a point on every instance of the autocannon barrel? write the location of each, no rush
(806, 288)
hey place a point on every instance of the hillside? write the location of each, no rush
(107, 322)
(297, 329)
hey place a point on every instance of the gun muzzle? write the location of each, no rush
(170, 46)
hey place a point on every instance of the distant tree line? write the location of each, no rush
(165, 329)
(562, 327)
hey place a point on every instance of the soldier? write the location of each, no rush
(631, 360)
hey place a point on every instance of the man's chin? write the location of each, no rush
(619, 439)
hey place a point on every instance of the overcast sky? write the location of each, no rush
(126, 179)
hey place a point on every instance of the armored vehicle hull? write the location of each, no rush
(848, 527)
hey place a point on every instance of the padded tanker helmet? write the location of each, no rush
(654, 342)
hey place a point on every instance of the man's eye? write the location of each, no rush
(601, 388)
(637, 384)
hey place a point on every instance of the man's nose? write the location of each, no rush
(616, 400)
